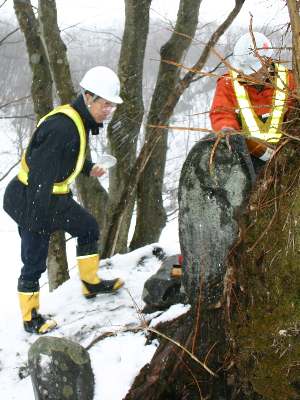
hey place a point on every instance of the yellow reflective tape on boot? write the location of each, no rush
(119, 283)
(85, 291)
(88, 267)
(48, 326)
(28, 302)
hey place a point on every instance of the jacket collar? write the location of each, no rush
(88, 121)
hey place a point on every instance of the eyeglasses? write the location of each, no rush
(106, 103)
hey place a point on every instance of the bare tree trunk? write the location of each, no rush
(57, 262)
(91, 193)
(93, 196)
(56, 54)
(151, 215)
(265, 328)
(41, 92)
(154, 139)
(125, 126)
(41, 88)
(294, 7)
(56, 50)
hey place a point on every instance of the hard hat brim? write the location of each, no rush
(114, 99)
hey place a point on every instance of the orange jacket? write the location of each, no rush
(223, 114)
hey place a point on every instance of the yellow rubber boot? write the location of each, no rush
(34, 322)
(91, 283)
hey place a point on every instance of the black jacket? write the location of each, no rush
(51, 157)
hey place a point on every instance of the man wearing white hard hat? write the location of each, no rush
(39, 197)
(253, 97)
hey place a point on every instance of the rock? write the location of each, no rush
(162, 290)
(60, 370)
(211, 199)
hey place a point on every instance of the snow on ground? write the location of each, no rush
(115, 360)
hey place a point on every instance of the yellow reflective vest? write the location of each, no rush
(269, 131)
(61, 187)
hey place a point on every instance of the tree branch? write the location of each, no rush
(3, 3)
(14, 101)
(187, 79)
(9, 170)
(8, 35)
(29, 116)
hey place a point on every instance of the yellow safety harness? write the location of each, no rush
(61, 187)
(269, 131)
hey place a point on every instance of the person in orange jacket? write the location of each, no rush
(253, 97)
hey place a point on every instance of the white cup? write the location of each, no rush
(106, 161)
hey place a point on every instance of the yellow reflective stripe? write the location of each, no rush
(245, 107)
(61, 187)
(23, 173)
(269, 131)
(279, 103)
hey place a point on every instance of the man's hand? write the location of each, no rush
(98, 171)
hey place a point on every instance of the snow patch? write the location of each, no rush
(173, 312)
(45, 363)
(116, 361)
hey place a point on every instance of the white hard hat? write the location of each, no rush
(103, 82)
(244, 57)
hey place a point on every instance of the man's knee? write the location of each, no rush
(89, 233)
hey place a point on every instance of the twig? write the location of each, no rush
(14, 101)
(263, 233)
(198, 313)
(8, 171)
(1, 5)
(138, 310)
(187, 128)
(110, 334)
(193, 357)
(29, 116)
(193, 69)
(181, 128)
(256, 52)
(213, 150)
(118, 38)
(144, 327)
(9, 34)
(209, 351)
(194, 378)
(175, 211)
